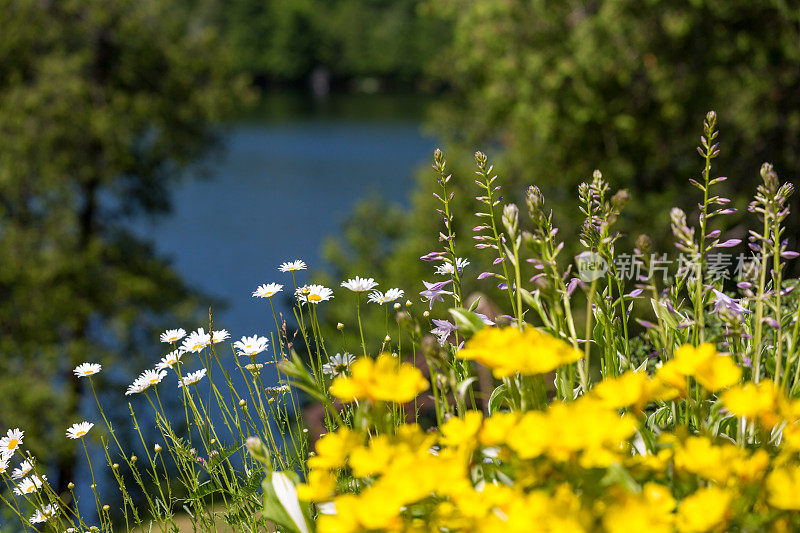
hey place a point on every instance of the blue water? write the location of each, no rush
(278, 191)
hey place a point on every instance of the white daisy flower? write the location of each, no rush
(136, 387)
(24, 469)
(173, 335)
(192, 378)
(220, 335)
(268, 290)
(151, 377)
(78, 431)
(196, 341)
(447, 267)
(338, 364)
(292, 266)
(12, 441)
(381, 298)
(251, 346)
(87, 369)
(313, 294)
(357, 284)
(29, 485)
(45, 514)
(170, 360)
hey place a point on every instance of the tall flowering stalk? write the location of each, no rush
(770, 206)
(487, 234)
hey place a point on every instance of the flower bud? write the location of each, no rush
(387, 338)
(134, 458)
(157, 448)
(397, 305)
(106, 508)
(71, 485)
(340, 326)
(242, 403)
(257, 449)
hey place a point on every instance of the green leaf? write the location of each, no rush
(474, 305)
(498, 397)
(467, 321)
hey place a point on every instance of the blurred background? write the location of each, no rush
(158, 157)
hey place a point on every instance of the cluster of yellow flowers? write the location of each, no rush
(507, 351)
(592, 464)
(383, 379)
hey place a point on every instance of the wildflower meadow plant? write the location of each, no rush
(624, 392)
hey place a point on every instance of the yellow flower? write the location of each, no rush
(783, 487)
(758, 402)
(382, 379)
(497, 427)
(462, 431)
(718, 373)
(508, 351)
(717, 462)
(332, 449)
(704, 510)
(649, 511)
(319, 487)
(711, 370)
(372, 459)
(629, 389)
(346, 518)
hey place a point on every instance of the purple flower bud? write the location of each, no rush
(484, 275)
(502, 286)
(497, 261)
(433, 256)
(727, 211)
(573, 283)
(646, 324)
(771, 322)
(754, 247)
(730, 243)
(744, 284)
(714, 234)
(789, 254)
(634, 293)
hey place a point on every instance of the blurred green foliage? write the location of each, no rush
(102, 102)
(284, 41)
(553, 90)
(567, 87)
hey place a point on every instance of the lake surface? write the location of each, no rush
(288, 175)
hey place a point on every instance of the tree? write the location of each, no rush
(284, 41)
(102, 102)
(567, 87)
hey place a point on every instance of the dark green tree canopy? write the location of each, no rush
(566, 87)
(102, 102)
